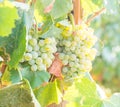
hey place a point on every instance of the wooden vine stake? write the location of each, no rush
(78, 11)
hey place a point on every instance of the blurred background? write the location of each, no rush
(106, 67)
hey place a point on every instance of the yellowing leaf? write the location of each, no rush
(8, 15)
(48, 94)
(88, 7)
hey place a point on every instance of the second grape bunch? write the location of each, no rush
(39, 52)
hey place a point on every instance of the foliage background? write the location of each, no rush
(106, 67)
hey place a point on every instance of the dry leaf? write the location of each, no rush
(56, 67)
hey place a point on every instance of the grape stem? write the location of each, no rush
(52, 78)
(95, 15)
(3, 68)
(72, 20)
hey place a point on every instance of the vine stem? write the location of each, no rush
(78, 11)
(95, 15)
(3, 68)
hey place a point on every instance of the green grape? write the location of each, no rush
(31, 62)
(51, 56)
(41, 67)
(33, 42)
(41, 43)
(36, 48)
(67, 43)
(27, 56)
(65, 62)
(72, 48)
(61, 56)
(73, 69)
(39, 61)
(29, 48)
(44, 56)
(73, 57)
(47, 62)
(71, 64)
(34, 67)
(48, 41)
(65, 69)
(34, 54)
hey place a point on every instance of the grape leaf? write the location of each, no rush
(114, 101)
(65, 5)
(51, 32)
(98, 2)
(10, 76)
(35, 78)
(89, 7)
(18, 95)
(56, 67)
(83, 93)
(8, 15)
(15, 44)
(48, 94)
(28, 17)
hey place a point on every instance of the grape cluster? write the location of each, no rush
(39, 52)
(76, 50)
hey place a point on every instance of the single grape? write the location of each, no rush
(39, 61)
(34, 54)
(31, 62)
(41, 67)
(27, 56)
(29, 48)
(34, 67)
(36, 48)
(33, 42)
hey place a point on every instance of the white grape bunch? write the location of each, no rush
(40, 52)
(75, 48)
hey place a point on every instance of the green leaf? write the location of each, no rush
(61, 8)
(48, 94)
(89, 7)
(98, 2)
(14, 76)
(11, 76)
(8, 15)
(18, 95)
(52, 32)
(64, 5)
(15, 44)
(35, 78)
(114, 101)
(83, 93)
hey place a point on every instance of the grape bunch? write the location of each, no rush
(39, 52)
(76, 50)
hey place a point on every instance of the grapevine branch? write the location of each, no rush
(94, 15)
